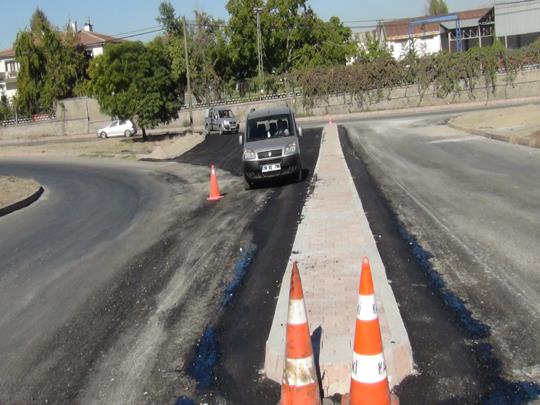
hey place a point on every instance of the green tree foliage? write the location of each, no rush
(5, 110)
(436, 7)
(209, 56)
(134, 81)
(52, 65)
(242, 33)
(330, 44)
(293, 37)
(372, 48)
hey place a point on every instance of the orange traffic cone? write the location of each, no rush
(369, 382)
(214, 188)
(300, 385)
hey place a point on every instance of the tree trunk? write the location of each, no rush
(144, 137)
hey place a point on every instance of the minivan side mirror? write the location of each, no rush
(300, 131)
(240, 140)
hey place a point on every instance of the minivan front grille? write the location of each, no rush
(270, 162)
(269, 154)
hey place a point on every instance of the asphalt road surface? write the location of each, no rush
(116, 279)
(122, 284)
(469, 209)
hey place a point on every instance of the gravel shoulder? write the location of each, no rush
(519, 125)
(159, 146)
(15, 189)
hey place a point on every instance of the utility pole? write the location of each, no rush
(187, 75)
(258, 11)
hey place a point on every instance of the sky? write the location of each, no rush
(117, 17)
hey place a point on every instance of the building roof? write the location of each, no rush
(399, 29)
(88, 39)
(7, 53)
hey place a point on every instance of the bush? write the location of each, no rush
(447, 73)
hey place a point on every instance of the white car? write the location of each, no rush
(118, 128)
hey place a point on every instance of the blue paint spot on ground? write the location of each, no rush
(184, 401)
(499, 390)
(206, 358)
(240, 270)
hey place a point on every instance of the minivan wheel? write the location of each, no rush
(220, 130)
(248, 185)
(103, 134)
(127, 134)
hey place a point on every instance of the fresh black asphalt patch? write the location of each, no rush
(243, 326)
(454, 362)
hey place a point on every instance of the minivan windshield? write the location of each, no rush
(274, 126)
(225, 114)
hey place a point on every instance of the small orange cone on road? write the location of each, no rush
(300, 385)
(214, 188)
(369, 382)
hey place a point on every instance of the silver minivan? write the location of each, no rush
(271, 148)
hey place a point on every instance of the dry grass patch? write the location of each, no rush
(14, 189)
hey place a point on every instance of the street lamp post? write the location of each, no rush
(258, 11)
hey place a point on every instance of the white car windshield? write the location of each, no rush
(275, 126)
(225, 114)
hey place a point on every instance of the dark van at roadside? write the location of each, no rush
(271, 148)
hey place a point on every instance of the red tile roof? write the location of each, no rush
(88, 38)
(7, 53)
(85, 38)
(398, 29)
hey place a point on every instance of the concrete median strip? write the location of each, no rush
(330, 242)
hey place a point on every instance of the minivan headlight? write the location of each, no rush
(249, 154)
(290, 148)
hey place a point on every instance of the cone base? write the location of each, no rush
(219, 197)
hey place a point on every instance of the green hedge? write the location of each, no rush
(447, 73)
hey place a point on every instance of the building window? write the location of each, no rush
(12, 67)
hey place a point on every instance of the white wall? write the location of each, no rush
(424, 46)
(97, 51)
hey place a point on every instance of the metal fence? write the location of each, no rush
(26, 120)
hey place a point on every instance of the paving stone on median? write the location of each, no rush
(330, 242)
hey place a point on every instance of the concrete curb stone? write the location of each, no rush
(518, 140)
(330, 242)
(22, 203)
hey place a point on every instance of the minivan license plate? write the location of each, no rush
(271, 168)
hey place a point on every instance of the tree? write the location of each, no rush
(207, 49)
(330, 44)
(293, 37)
(52, 65)
(5, 110)
(436, 7)
(134, 81)
(373, 47)
(242, 33)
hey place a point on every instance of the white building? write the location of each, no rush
(476, 28)
(8, 73)
(518, 22)
(93, 43)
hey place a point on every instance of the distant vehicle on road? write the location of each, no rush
(220, 119)
(118, 128)
(271, 148)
